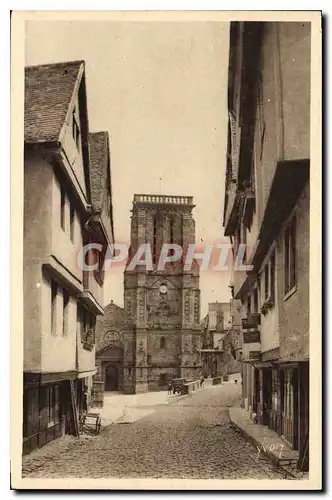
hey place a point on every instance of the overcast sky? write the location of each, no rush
(160, 90)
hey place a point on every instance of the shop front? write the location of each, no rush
(46, 409)
(42, 415)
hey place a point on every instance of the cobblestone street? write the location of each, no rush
(190, 438)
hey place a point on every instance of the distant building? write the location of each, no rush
(220, 340)
(162, 307)
(267, 209)
(67, 204)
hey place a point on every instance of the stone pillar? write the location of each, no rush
(129, 346)
(141, 351)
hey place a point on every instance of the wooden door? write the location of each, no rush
(267, 395)
(295, 384)
(111, 377)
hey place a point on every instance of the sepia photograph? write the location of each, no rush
(168, 194)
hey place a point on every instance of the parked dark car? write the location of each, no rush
(178, 385)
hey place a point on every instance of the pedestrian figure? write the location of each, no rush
(202, 381)
(170, 387)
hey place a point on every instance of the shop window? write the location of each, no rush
(287, 405)
(52, 405)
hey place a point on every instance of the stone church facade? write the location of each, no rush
(109, 347)
(161, 337)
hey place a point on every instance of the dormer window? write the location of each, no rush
(76, 131)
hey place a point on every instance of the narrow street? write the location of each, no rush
(189, 438)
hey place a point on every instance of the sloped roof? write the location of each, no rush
(48, 92)
(99, 167)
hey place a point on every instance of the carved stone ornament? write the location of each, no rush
(112, 335)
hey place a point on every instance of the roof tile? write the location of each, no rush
(48, 92)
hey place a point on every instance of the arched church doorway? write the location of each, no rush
(111, 377)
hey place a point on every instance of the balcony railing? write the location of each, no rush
(163, 199)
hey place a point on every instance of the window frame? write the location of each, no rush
(99, 273)
(72, 222)
(52, 405)
(248, 305)
(255, 300)
(87, 322)
(54, 296)
(65, 311)
(267, 281)
(290, 257)
(267, 288)
(62, 207)
(154, 252)
(76, 130)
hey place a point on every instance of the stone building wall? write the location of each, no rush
(162, 307)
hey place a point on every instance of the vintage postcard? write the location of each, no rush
(166, 218)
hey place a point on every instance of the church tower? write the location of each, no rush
(162, 307)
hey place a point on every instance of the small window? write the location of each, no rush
(62, 207)
(172, 231)
(255, 300)
(80, 321)
(149, 359)
(154, 254)
(290, 256)
(72, 223)
(244, 242)
(99, 272)
(88, 327)
(162, 342)
(237, 239)
(273, 273)
(65, 311)
(266, 282)
(54, 293)
(76, 132)
(249, 305)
